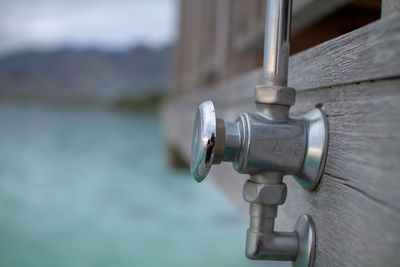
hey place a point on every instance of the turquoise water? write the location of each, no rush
(91, 187)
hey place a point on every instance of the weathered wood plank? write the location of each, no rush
(243, 23)
(390, 7)
(369, 53)
(369, 109)
(357, 204)
(356, 207)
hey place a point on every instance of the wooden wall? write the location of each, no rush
(355, 78)
(220, 39)
(207, 47)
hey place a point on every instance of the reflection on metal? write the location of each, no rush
(276, 42)
(305, 230)
(267, 145)
(317, 144)
(204, 130)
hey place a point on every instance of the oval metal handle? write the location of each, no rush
(208, 141)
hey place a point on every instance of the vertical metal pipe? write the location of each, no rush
(276, 44)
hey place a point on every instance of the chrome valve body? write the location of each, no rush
(267, 145)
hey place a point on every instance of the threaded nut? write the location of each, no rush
(278, 95)
(264, 194)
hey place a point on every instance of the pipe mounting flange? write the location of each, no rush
(316, 150)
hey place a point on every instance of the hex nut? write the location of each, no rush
(264, 194)
(251, 191)
(277, 95)
(273, 194)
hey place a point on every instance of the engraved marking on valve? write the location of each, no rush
(277, 148)
(297, 149)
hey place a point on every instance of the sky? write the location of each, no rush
(83, 24)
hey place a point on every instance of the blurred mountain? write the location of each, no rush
(89, 75)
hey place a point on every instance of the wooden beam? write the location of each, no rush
(390, 7)
(356, 206)
(368, 53)
(356, 80)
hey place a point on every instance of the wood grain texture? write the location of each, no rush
(356, 207)
(390, 7)
(219, 39)
(356, 80)
(368, 53)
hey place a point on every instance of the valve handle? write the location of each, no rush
(207, 132)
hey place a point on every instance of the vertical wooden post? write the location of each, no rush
(390, 7)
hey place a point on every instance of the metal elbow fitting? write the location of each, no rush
(271, 246)
(297, 246)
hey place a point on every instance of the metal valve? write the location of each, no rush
(267, 145)
(257, 143)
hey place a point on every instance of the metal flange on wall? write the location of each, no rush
(267, 145)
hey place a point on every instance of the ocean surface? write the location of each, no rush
(92, 187)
